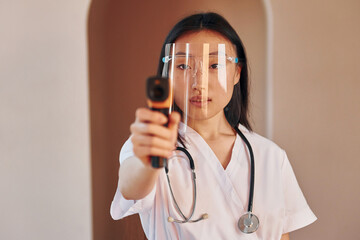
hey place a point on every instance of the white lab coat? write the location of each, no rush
(221, 193)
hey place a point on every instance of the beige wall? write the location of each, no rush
(317, 108)
(44, 121)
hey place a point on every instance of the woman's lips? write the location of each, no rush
(199, 101)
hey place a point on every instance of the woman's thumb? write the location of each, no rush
(174, 120)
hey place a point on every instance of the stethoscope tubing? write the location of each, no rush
(193, 176)
(252, 169)
(246, 228)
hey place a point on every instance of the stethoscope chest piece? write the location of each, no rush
(248, 223)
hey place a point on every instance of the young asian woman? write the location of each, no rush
(205, 122)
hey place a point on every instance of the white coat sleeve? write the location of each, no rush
(297, 212)
(121, 207)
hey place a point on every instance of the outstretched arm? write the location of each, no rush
(150, 138)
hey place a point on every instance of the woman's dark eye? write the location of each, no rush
(214, 66)
(183, 66)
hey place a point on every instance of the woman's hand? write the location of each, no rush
(150, 137)
(285, 236)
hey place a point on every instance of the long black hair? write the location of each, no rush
(236, 110)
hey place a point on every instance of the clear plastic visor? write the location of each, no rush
(202, 77)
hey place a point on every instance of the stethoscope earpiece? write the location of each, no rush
(205, 216)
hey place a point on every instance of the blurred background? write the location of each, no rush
(72, 74)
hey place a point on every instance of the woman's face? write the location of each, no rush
(204, 74)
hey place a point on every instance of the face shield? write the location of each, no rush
(202, 77)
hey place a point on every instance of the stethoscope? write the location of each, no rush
(248, 223)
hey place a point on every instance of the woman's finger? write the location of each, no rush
(152, 141)
(151, 129)
(143, 152)
(174, 120)
(149, 116)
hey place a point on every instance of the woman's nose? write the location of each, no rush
(199, 76)
(199, 83)
(197, 69)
